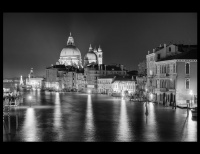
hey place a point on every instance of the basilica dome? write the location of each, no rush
(70, 50)
(70, 55)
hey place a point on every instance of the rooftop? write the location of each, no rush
(192, 54)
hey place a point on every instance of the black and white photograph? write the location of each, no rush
(100, 76)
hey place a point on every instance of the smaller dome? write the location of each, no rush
(90, 56)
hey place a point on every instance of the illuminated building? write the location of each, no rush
(105, 84)
(176, 77)
(162, 67)
(54, 75)
(93, 56)
(10, 84)
(34, 82)
(71, 55)
(92, 72)
(60, 77)
(124, 84)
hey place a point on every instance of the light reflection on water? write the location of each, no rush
(83, 117)
(57, 125)
(30, 126)
(89, 124)
(124, 133)
(151, 127)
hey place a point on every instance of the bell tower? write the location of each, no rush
(100, 56)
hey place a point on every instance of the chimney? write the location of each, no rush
(148, 52)
(132, 77)
(105, 67)
(164, 45)
(153, 50)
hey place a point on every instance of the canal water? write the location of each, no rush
(52, 116)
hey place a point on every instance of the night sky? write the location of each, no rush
(35, 40)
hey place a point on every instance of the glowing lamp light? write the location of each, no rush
(151, 96)
(89, 91)
(29, 97)
(191, 92)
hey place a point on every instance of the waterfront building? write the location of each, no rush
(71, 55)
(11, 84)
(105, 84)
(54, 75)
(176, 78)
(33, 81)
(61, 77)
(124, 85)
(93, 71)
(153, 68)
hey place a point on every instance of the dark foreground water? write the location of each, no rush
(52, 116)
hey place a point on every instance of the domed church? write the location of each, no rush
(71, 55)
(93, 56)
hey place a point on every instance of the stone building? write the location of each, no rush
(156, 71)
(33, 81)
(93, 71)
(124, 85)
(104, 85)
(176, 78)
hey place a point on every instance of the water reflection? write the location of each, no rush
(89, 124)
(124, 133)
(76, 117)
(189, 129)
(58, 117)
(30, 126)
(150, 132)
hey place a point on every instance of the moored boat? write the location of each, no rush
(194, 112)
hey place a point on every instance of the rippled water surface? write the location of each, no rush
(52, 116)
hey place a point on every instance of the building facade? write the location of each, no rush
(33, 81)
(104, 84)
(124, 85)
(165, 73)
(176, 79)
(93, 72)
